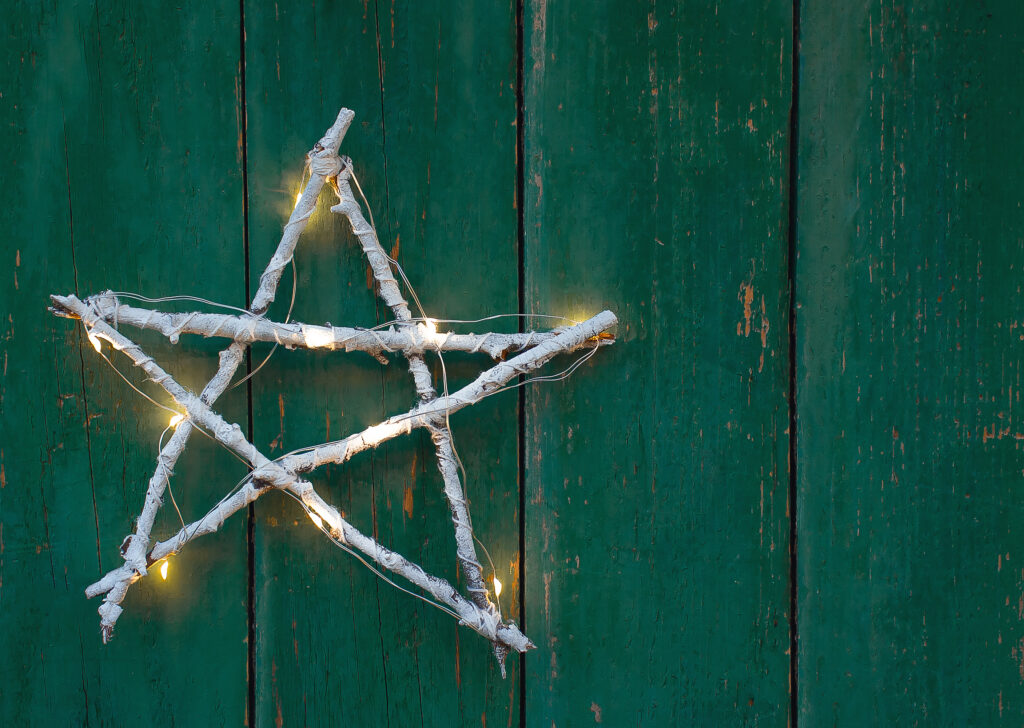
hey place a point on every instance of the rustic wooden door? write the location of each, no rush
(788, 494)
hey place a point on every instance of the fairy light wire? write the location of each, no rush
(129, 383)
(166, 408)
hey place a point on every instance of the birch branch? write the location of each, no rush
(251, 329)
(323, 161)
(227, 433)
(482, 621)
(282, 473)
(423, 415)
(272, 473)
(380, 264)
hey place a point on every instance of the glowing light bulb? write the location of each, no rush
(97, 339)
(163, 569)
(497, 588)
(316, 519)
(428, 330)
(177, 419)
(377, 434)
(317, 336)
(298, 197)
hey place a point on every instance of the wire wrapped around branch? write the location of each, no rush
(444, 446)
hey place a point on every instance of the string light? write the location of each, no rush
(163, 569)
(497, 587)
(298, 198)
(96, 338)
(177, 419)
(325, 517)
(317, 336)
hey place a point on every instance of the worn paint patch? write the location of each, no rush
(752, 311)
(407, 502)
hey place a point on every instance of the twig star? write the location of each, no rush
(412, 337)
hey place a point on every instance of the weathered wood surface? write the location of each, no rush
(122, 169)
(909, 512)
(657, 518)
(656, 479)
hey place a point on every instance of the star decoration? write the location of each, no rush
(412, 337)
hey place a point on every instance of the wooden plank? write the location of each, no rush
(434, 149)
(121, 170)
(656, 522)
(909, 269)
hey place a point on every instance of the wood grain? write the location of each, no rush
(909, 335)
(657, 145)
(657, 530)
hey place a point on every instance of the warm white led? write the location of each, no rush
(163, 569)
(317, 337)
(96, 340)
(377, 434)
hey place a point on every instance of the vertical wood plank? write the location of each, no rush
(909, 270)
(434, 149)
(121, 170)
(657, 485)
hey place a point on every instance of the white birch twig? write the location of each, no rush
(250, 329)
(323, 161)
(485, 622)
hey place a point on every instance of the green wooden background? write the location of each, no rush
(803, 216)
